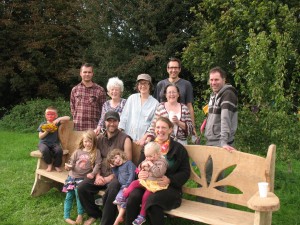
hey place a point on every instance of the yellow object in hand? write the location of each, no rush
(205, 109)
(50, 127)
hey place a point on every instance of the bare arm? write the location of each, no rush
(62, 118)
(43, 134)
(128, 148)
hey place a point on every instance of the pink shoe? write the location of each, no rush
(139, 220)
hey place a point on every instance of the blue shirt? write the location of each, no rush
(125, 173)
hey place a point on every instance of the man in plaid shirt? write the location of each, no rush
(86, 100)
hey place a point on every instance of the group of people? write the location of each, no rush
(160, 124)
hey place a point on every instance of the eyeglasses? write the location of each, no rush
(172, 92)
(174, 67)
(143, 83)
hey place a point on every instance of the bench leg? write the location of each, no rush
(42, 185)
(262, 218)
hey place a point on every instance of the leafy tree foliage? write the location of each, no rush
(44, 42)
(139, 36)
(41, 44)
(257, 42)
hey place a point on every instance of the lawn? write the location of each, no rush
(17, 177)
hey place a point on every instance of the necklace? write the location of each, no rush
(164, 147)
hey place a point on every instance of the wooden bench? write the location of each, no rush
(243, 171)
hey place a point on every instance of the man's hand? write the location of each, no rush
(229, 148)
(90, 176)
(99, 180)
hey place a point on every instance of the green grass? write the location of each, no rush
(17, 176)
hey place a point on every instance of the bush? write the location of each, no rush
(258, 129)
(27, 117)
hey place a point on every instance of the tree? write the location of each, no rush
(257, 43)
(41, 42)
(134, 37)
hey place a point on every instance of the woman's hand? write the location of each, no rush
(143, 175)
(175, 119)
(163, 181)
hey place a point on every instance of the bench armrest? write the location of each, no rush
(38, 154)
(269, 204)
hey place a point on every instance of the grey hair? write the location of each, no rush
(115, 82)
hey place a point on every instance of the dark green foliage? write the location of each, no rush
(136, 37)
(27, 117)
(258, 129)
(257, 43)
(42, 44)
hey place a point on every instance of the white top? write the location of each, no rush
(136, 118)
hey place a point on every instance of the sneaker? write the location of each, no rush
(119, 200)
(116, 202)
(139, 220)
(99, 201)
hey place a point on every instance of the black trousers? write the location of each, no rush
(155, 214)
(87, 191)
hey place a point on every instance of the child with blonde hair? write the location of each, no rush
(84, 162)
(156, 165)
(124, 170)
(49, 144)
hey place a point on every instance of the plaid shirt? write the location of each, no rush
(86, 104)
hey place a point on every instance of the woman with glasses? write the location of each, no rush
(178, 114)
(139, 110)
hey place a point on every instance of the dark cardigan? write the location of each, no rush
(178, 174)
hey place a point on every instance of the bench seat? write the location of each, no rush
(211, 214)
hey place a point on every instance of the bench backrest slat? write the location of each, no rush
(247, 171)
(69, 138)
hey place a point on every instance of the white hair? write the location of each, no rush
(115, 82)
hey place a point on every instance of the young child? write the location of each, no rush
(156, 165)
(85, 161)
(124, 170)
(49, 144)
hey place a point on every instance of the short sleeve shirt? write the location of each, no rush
(185, 88)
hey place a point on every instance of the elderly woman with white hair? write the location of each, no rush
(115, 88)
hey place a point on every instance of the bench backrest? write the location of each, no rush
(246, 170)
(69, 139)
